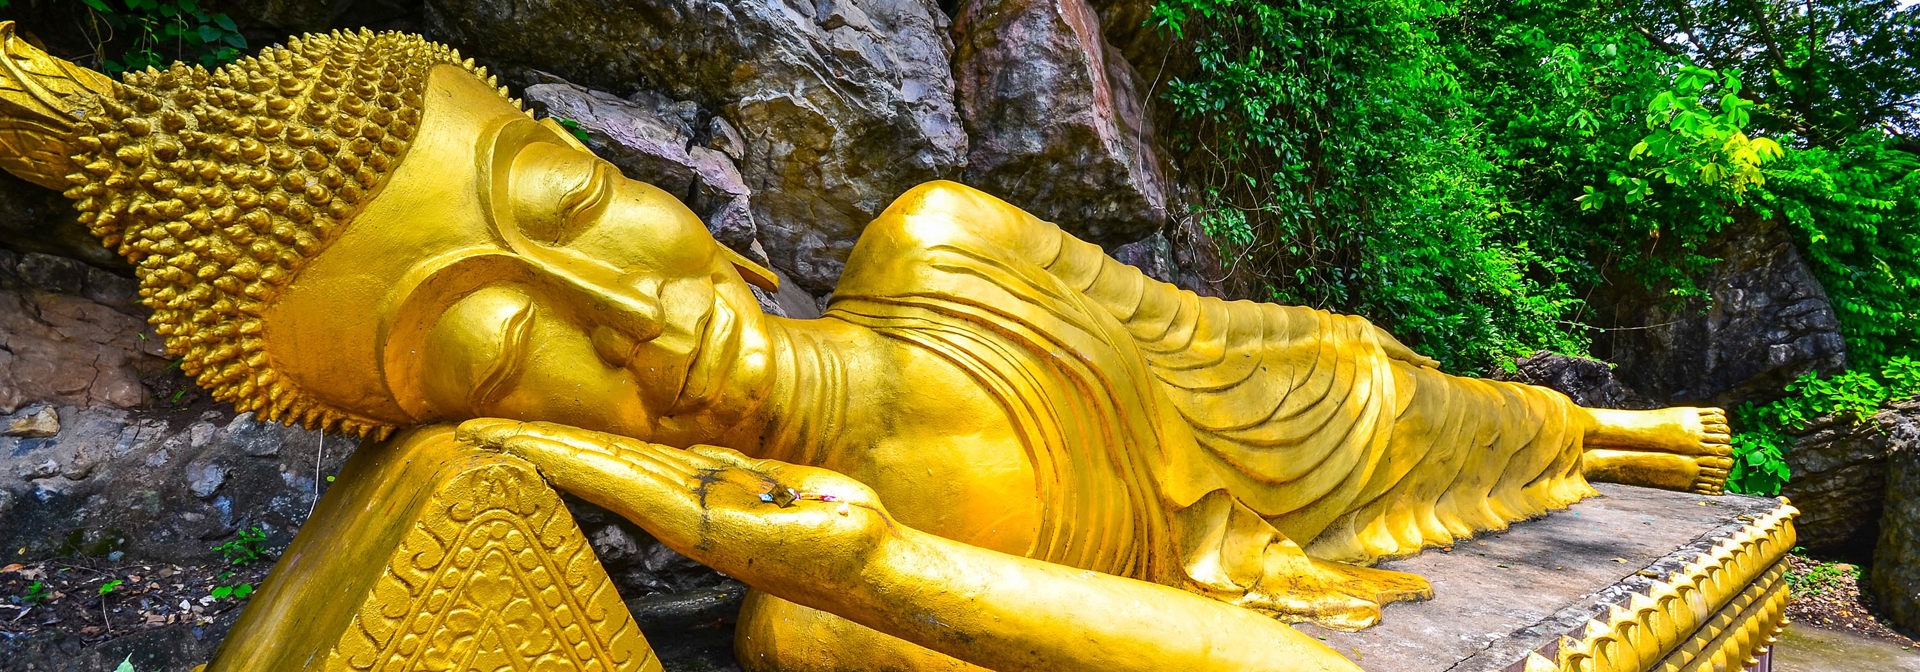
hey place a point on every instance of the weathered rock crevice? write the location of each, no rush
(1766, 320)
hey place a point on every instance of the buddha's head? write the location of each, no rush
(359, 231)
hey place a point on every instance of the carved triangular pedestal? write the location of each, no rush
(430, 555)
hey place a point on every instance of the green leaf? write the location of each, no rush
(1662, 102)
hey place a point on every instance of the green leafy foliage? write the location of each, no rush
(1759, 449)
(1464, 172)
(1821, 577)
(1347, 167)
(139, 34)
(107, 587)
(247, 547)
(238, 591)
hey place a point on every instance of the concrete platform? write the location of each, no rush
(1501, 597)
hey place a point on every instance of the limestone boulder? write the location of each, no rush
(36, 219)
(1589, 382)
(1840, 476)
(1057, 118)
(1895, 576)
(1768, 322)
(160, 484)
(70, 333)
(841, 105)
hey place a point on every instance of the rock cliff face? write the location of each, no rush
(1057, 119)
(93, 461)
(1895, 577)
(1840, 472)
(71, 333)
(841, 105)
(1767, 323)
(794, 123)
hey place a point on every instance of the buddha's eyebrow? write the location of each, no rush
(582, 198)
(506, 366)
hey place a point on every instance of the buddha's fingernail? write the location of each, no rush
(487, 432)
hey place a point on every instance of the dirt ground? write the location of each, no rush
(1826, 595)
(97, 599)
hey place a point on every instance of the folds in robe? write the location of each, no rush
(1135, 401)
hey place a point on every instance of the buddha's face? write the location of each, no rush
(505, 271)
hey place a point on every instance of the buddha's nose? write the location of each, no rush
(627, 305)
(632, 308)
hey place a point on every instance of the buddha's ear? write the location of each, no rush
(565, 134)
(755, 274)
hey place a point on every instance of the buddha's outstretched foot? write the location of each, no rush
(1682, 448)
(1703, 474)
(1334, 595)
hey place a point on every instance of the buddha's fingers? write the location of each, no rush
(1397, 350)
(494, 433)
(630, 477)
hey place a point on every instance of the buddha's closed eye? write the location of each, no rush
(557, 192)
(476, 349)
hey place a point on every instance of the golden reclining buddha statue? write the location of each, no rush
(998, 448)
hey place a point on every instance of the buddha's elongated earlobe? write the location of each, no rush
(566, 134)
(755, 274)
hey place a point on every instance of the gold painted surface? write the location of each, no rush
(360, 232)
(430, 555)
(44, 104)
(1718, 614)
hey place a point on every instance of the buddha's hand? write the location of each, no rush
(1397, 350)
(771, 524)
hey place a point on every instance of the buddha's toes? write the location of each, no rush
(1686, 430)
(1708, 430)
(1711, 478)
(1704, 474)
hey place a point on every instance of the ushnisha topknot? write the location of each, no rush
(221, 185)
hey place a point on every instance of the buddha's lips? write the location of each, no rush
(719, 346)
(716, 345)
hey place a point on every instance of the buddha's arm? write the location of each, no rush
(821, 539)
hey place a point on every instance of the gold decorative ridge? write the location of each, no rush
(1718, 613)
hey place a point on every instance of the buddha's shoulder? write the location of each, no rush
(942, 213)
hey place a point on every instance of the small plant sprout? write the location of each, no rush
(238, 591)
(107, 589)
(574, 128)
(247, 547)
(36, 593)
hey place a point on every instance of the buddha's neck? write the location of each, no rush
(814, 366)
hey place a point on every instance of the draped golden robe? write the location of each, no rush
(1182, 439)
